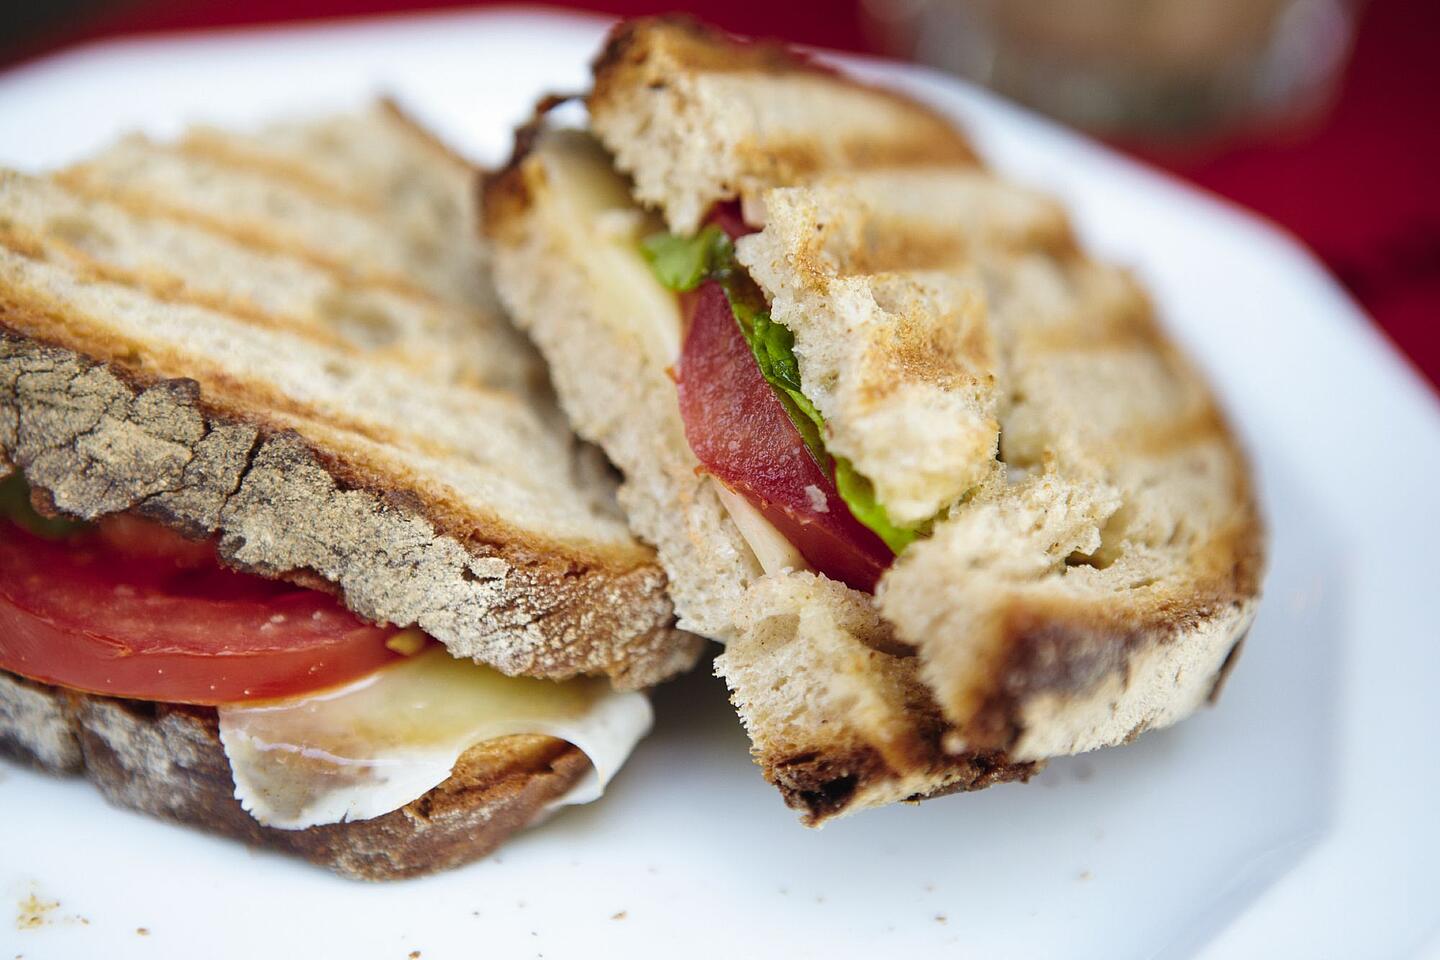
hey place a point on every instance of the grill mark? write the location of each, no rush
(1124, 333)
(174, 292)
(146, 205)
(110, 346)
(205, 145)
(786, 161)
(1160, 439)
(146, 208)
(172, 289)
(899, 247)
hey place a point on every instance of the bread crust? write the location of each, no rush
(767, 116)
(166, 760)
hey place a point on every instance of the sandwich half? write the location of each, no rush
(934, 476)
(295, 545)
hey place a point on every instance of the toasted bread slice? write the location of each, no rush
(167, 761)
(219, 338)
(1096, 554)
(698, 118)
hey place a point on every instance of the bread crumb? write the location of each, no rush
(414, 955)
(816, 496)
(142, 931)
(619, 916)
(941, 918)
(34, 912)
(1084, 875)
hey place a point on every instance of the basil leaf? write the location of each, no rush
(683, 263)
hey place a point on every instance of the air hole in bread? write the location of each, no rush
(1096, 560)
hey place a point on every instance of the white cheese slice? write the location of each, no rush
(367, 748)
(594, 213)
(771, 549)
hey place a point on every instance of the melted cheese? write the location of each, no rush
(365, 749)
(591, 208)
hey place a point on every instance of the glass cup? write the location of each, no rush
(1157, 69)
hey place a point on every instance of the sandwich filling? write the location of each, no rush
(323, 716)
(693, 309)
(747, 417)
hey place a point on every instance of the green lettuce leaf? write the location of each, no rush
(15, 505)
(859, 495)
(683, 263)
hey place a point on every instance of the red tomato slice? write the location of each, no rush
(134, 610)
(742, 434)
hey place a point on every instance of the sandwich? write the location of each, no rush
(295, 546)
(934, 476)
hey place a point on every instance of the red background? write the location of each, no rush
(1362, 188)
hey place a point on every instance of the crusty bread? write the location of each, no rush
(167, 760)
(1098, 551)
(698, 119)
(291, 345)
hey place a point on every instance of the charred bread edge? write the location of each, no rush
(94, 438)
(833, 781)
(1076, 653)
(166, 760)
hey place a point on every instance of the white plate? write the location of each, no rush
(1299, 819)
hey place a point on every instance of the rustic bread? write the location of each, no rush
(167, 761)
(1097, 553)
(217, 338)
(697, 118)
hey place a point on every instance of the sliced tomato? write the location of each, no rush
(133, 610)
(740, 431)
